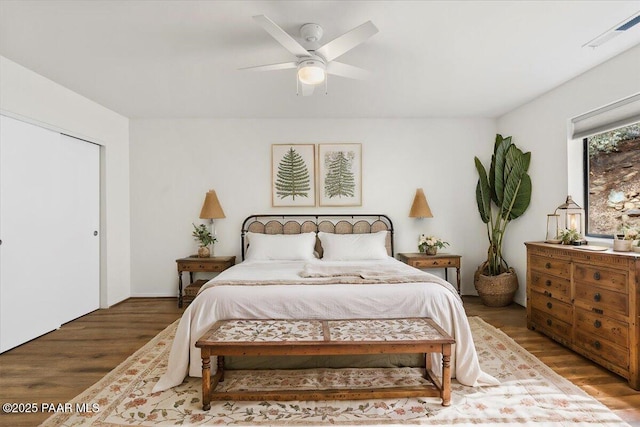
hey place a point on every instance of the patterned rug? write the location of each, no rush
(530, 393)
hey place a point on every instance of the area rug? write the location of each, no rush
(530, 393)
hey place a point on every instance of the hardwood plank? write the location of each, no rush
(52, 369)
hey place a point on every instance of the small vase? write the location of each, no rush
(204, 252)
(432, 250)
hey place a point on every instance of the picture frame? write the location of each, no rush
(340, 174)
(293, 175)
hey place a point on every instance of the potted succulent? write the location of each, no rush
(502, 195)
(431, 244)
(568, 236)
(204, 237)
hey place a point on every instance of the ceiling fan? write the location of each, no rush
(315, 63)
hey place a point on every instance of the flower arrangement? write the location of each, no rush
(630, 234)
(202, 235)
(568, 236)
(430, 244)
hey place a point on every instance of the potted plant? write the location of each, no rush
(623, 241)
(431, 244)
(502, 195)
(204, 237)
(568, 236)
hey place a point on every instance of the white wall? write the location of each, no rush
(27, 95)
(541, 127)
(174, 163)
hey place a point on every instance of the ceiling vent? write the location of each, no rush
(617, 30)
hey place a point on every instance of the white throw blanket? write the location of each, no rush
(224, 298)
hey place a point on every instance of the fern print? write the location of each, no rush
(293, 179)
(340, 179)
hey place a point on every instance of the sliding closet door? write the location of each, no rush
(49, 211)
(29, 275)
(79, 199)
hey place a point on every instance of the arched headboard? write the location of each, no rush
(305, 223)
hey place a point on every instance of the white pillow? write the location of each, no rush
(345, 247)
(280, 246)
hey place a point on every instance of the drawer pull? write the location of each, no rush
(597, 324)
(549, 305)
(548, 283)
(597, 345)
(547, 265)
(547, 293)
(597, 297)
(596, 275)
(549, 322)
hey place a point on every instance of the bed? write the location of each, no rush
(322, 267)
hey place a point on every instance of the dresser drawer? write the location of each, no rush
(558, 287)
(602, 348)
(604, 300)
(551, 266)
(551, 325)
(552, 306)
(602, 277)
(602, 326)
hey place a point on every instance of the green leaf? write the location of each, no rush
(517, 191)
(501, 148)
(483, 193)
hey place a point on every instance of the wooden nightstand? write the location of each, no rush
(195, 264)
(446, 261)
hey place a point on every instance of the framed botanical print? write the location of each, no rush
(293, 175)
(340, 174)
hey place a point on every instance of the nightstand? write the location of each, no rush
(444, 260)
(194, 264)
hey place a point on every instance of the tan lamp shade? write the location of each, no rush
(420, 207)
(211, 208)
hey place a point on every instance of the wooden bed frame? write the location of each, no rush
(328, 223)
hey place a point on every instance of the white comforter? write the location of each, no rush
(433, 298)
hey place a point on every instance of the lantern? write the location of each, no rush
(570, 216)
(553, 230)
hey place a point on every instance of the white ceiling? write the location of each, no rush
(174, 59)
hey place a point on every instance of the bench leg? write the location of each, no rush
(446, 375)
(206, 378)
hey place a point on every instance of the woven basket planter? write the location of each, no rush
(496, 291)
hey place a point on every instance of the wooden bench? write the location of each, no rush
(288, 337)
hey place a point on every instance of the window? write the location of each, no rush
(612, 180)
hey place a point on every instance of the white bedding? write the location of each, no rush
(433, 298)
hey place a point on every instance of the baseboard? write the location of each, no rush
(153, 295)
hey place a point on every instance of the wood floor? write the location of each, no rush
(60, 365)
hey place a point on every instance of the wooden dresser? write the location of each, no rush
(588, 301)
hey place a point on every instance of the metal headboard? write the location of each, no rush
(302, 223)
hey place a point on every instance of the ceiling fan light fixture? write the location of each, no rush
(311, 72)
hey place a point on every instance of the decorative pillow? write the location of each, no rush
(280, 246)
(345, 247)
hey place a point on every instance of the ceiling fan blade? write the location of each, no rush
(345, 70)
(307, 90)
(347, 41)
(281, 36)
(272, 67)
